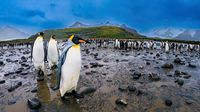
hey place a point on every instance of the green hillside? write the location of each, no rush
(93, 32)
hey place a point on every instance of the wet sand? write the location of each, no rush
(114, 70)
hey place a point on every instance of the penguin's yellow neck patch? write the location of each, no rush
(76, 46)
(39, 37)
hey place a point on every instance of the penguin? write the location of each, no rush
(39, 55)
(166, 47)
(53, 52)
(69, 67)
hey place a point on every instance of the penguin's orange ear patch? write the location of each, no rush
(81, 41)
(71, 37)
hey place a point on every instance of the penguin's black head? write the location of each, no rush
(41, 33)
(77, 40)
(53, 36)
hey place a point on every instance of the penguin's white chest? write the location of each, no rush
(38, 53)
(70, 70)
(52, 51)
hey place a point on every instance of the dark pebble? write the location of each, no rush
(121, 102)
(122, 88)
(2, 81)
(131, 88)
(168, 102)
(86, 90)
(34, 103)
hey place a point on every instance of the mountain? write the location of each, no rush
(165, 32)
(175, 33)
(8, 33)
(128, 28)
(93, 32)
(78, 24)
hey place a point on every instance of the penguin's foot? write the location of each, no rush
(53, 67)
(40, 76)
(64, 98)
(77, 95)
(55, 87)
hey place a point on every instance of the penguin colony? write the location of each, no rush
(68, 60)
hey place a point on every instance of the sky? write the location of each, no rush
(33, 15)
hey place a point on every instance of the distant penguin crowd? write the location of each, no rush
(130, 44)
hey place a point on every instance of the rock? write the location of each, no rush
(154, 77)
(179, 81)
(18, 71)
(139, 92)
(8, 60)
(23, 58)
(86, 66)
(148, 63)
(189, 102)
(136, 75)
(122, 88)
(34, 90)
(1, 63)
(158, 55)
(86, 90)
(177, 73)
(24, 73)
(117, 60)
(192, 65)
(131, 88)
(94, 65)
(15, 86)
(120, 101)
(11, 102)
(7, 74)
(168, 65)
(179, 61)
(2, 81)
(34, 103)
(168, 102)
(187, 76)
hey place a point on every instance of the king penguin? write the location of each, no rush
(39, 55)
(166, 47)
(69, 67)
(53, 52)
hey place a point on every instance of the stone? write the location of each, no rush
(15, 86)
(11, 101)
(122, 87)
(189, 102)
(154, 77)
(148, 63)
(34, 103)
(168, 65)
(168, 102)
(192, 65)
(86, 90)
(131, 88)
(23, 58)
(34, 90)
(179, 81)
(1, 63)
(2, 81)
(179, 61)
(136, 75)
(120, 101)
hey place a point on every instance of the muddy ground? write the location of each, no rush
(114, 74)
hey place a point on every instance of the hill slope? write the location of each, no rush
(93, 32)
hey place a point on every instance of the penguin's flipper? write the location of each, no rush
(60, 63)
(32, 52)
(45, 50)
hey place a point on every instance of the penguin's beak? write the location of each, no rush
(83, 41)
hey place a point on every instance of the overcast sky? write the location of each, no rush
(35, 15)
